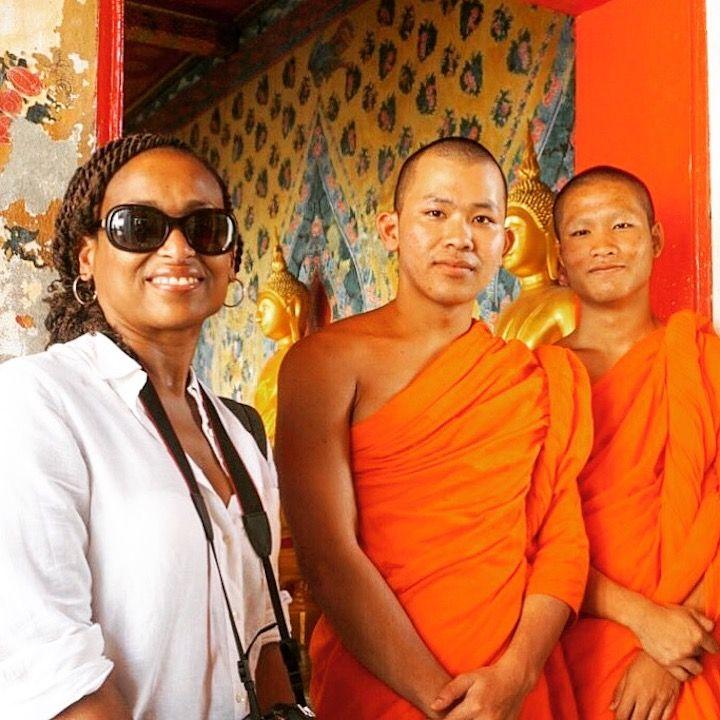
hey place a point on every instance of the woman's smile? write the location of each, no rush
(176, 280)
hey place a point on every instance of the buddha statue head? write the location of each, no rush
(282, 305)
(530, 221)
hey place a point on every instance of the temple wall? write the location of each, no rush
(47, 127)
(311, 145)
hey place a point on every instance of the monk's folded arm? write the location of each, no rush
(671, 635)
(541, 622)
(559, 557)
(604, 598)
(558, 553)
(499, 690)
(317, 387)
(696, 598)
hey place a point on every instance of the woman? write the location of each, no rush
(111, 606)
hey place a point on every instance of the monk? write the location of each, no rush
(644, 647)
(429, 476)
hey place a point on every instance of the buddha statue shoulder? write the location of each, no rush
(282, 313)
(544, 311)
(283, 306)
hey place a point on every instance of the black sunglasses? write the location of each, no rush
(141, 228)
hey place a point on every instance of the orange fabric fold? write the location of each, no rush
(465, 484)
(651, 502)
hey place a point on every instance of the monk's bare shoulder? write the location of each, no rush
(593, 359)
(338, 354)
(561, 355)
(569, 341)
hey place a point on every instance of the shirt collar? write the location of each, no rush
(112, 362)
(193, 386)
(123, 373)
(126, 378)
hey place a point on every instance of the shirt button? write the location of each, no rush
(238, 697)
(226, 539)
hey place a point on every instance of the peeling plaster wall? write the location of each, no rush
(47, 128)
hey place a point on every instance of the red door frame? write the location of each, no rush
(642, 104)
(111, 45)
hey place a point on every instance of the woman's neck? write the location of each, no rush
(166, 356)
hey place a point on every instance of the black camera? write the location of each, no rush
(288, 712)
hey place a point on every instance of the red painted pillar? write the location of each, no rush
(642, 104)
(111, 33)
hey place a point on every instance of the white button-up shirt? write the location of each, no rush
(103, 560)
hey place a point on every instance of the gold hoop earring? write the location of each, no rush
(240, 292)
(78, 292)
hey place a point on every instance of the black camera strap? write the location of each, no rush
(154, 406)
(256, 526)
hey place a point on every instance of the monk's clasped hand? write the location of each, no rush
(491, 693)
(676, 636)
(647, 691)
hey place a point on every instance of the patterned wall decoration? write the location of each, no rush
(312, 145)
(47, 95)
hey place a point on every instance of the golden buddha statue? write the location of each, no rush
(282, 312)
(544, 311)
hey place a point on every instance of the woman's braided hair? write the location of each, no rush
(79, 216)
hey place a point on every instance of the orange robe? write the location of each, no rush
(465, 484)
(651, 503)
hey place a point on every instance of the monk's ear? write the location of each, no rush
(562, 277)
(387, 225)
(86, 257)
(509, 240)
(658, 238)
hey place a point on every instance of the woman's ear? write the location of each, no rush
(86, 257)
(387, 225)
(237, 257)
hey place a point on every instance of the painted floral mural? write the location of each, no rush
(312, 145)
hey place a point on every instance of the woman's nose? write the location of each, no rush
(176, 245)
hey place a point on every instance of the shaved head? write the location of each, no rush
(603, 173)
(455, 148)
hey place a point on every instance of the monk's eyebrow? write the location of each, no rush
(574, 223)
(485, 205)
(582, 220)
